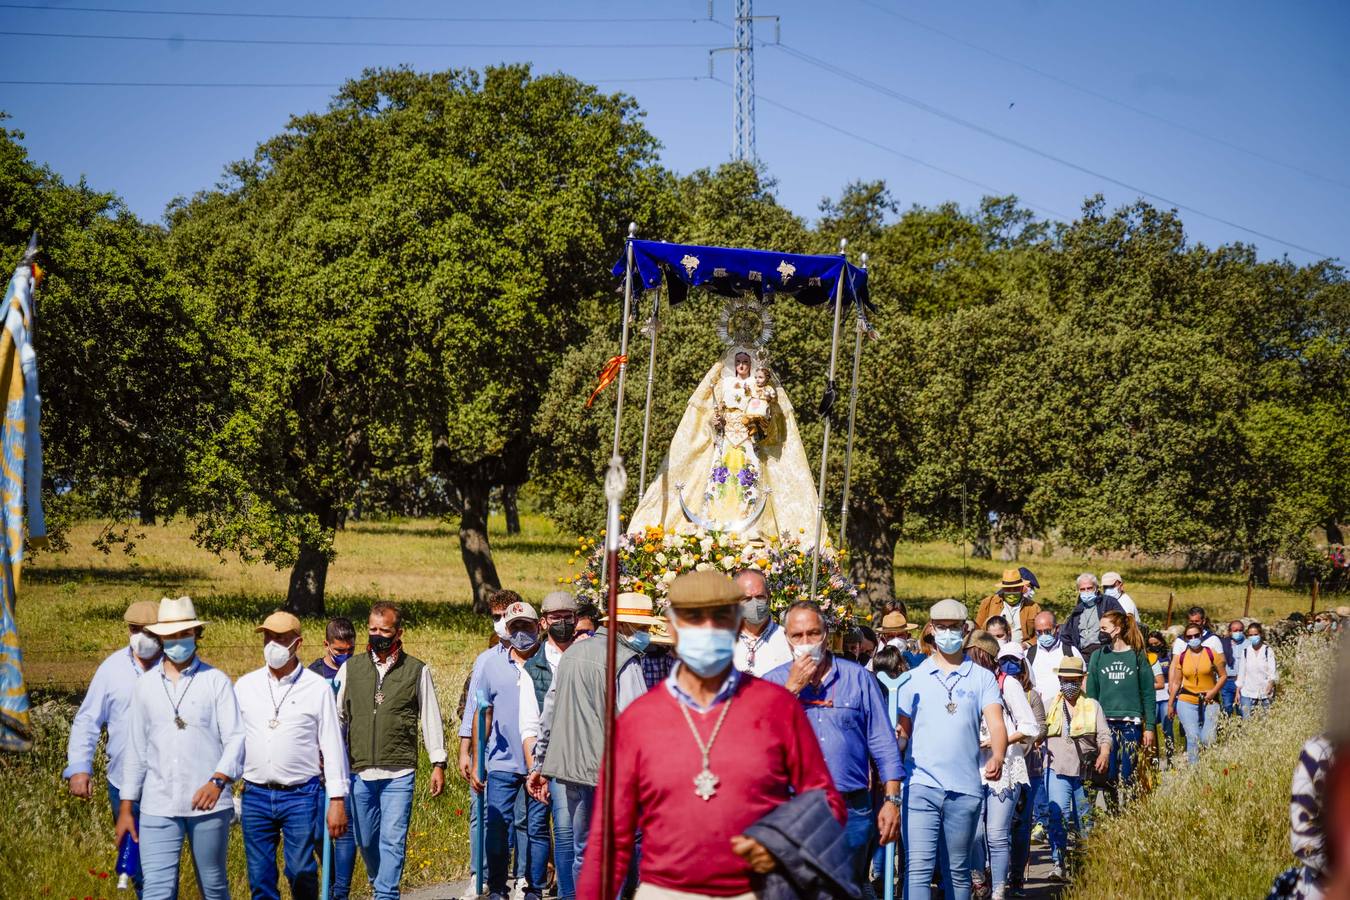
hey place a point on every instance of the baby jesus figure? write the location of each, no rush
(759, 409)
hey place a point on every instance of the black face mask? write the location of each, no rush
(380, 643)
(562, 632)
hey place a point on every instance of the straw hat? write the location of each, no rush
(699, 590)
(984, 640)
(1012, 580)
(142, 612)
(635, 608)
(1071, 667)
(660, 634)
(894, 622)
(175, 614)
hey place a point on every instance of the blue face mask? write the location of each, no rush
(180, 650)
(1011, 667)
(1089, 598)
(523, 641)
(1113, 593)
(639, 641)
(339, 659)
(949, 641)
(1193, 643)
(1046, 640)
(705, 650)
(1238, 637)
(1256, 640)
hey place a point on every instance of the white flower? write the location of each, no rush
(668, 577)
(705, 567)
(728, 562)
(706, 545)
(660, 558)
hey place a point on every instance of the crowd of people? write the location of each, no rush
(751, 759)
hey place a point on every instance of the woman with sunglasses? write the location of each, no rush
(1196, 679)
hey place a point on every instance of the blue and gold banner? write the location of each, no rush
(20, 488)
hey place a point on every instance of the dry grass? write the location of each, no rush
(1218, 829)
(70, 617)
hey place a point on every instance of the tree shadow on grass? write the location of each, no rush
(150, 575)
(354, 606)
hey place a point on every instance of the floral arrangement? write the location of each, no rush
(650, 559)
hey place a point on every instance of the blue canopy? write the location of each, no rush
(731, 272)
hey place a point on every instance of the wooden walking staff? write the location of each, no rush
(862, 329)
(623, 368)
(826, 405)
(616, 480)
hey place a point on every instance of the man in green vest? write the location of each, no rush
(383, 694)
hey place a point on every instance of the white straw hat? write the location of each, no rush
(175, 614)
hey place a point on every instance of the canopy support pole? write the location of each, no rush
(653, 326)
(825, 442)
(861, 323)
(615, 482)
(623, 361)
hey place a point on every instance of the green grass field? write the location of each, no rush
(69, 616)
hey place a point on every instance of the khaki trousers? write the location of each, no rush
(652, 892)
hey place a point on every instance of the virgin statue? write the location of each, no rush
(736, 462)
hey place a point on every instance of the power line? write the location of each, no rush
(1021, 145)
(1181, 126)
(290, 42)
(993, 191)
(561, 20)
(292, 84)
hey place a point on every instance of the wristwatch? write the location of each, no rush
(439, 765)
(220, 782)
(894, 798)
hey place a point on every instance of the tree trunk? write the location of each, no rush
(473, 542)
(871, 544)
(1260, 569)
(980, 549)
(308, 577)
(147, 502)
(509, 492)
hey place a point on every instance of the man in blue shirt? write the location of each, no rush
(498, 681)
(941, 709)
(848, 713)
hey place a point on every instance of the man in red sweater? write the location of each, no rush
(702, 756)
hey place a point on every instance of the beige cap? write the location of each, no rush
(635, 609)
(142, 612)
(175, 614)
(280, 622)
(520, 610)
(697, 590)
(559, 601)
(984, 640)
(1111, 578)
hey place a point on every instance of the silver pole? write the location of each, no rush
(852, 410)
(623, 367)
(825, 443)
(654, 325)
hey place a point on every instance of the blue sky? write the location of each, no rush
(1254, 95)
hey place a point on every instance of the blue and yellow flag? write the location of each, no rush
(20, 487)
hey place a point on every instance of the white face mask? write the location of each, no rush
(499, 627)
(144, 645)
(815, 651)
(278, 655)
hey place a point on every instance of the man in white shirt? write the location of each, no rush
(1114, 586)
(290, 718)
(1044, 656)
(107, 704)
(387, 685)
(761, 644)
(184, 747)
(1196, 616)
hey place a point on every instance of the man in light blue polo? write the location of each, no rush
(941, 710)
(848, 713)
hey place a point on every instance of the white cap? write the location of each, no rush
(1111, 578)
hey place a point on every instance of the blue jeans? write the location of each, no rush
(1068, 806)
(115, 801)
(502, 790)
(1165, 722)
(859, 829)
(270, 817)
(1199, 722)
(933, 815)
(1247, 704)
(1033, 796)
(343, 860)
(1125, 738)
(1228, 695)
(993, 835)
(382, 810)
(563, 839)
(162, 846)
(579, 800)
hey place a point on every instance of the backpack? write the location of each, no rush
(1067, 649)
